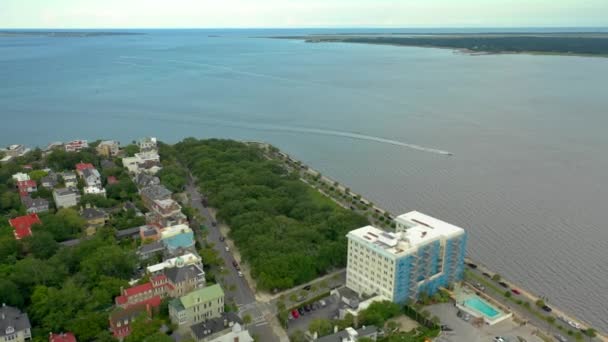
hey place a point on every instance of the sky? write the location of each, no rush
(301, 13)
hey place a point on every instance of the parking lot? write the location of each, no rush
(462, 331)
(330, 311)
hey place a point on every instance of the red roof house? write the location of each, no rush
(23, 225)
(121, 319)
(63, 337)
(158, 286)
(84, 166)
(27, 186)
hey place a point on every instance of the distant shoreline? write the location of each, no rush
(5, 33)
(564, 44)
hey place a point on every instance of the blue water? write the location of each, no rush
(527, 177)
(481, 306)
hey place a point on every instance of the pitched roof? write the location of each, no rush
(206, 293)
(30, 202)
(340, 335)
(134, 310)
(62, 337)
(66, 191)
(215, 325)
(92, 214)
(179, 274)
(23, 225)
(12, 317)
(84, 166)
(156, 192)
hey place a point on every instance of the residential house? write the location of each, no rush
(147, 144)
(150, 250)
(69, 179)
(26, 187)
(76, 145)
(186, 259)
(177, 238)
(15, 150)
(227, 326)
(128, 233)
(91, 177)
(146, 162)
(184, 278)
(14, 325)
(66, 197)
(93, 190)
(108, 148)
(158, 286)
(197, 306)
(165, 213)
(107, 164)
(49, 181)
(154, 193)
(149, 233)
(20, 177)
(350, 335)
(52, 146)
(22, 225)
(121, 319)
(62, 337)
(95, 218)
(143, 180)
(35, 205)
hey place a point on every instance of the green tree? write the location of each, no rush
(41, 245)
(110, 261)
(142, 328)
(378, 313)
(496, 277)
(37, 175)
(247, 319)
(298, 336)
(321, 326)
(10, 294)
(540, 303)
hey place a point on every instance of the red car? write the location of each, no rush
(516, 291)
(295, 314)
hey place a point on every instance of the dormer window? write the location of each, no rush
(9, 330)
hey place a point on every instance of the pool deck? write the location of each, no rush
(464, 293)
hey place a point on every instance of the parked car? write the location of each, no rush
(546, 308)
(479, 286)
(222, 238)
(486, 274)
(295, 314)
(323, 303)
(471, 265)
(516, 291)
(234, 263)
(205, 202)
(301, 311)
(214, 223)
(499, 339)
(307, 287)
(227, 249)
(561, 338)
(240, 274)
(446, 328)
(503, 284)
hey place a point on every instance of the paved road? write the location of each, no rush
(242, 295)
(520, 310)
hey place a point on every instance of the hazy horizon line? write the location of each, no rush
(300, 27)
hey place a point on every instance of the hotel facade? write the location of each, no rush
(422, 255)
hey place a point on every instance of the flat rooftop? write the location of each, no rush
(413, 230)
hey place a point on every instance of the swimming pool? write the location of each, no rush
(482, 307)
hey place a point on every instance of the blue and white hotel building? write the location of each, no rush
(422, 255)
